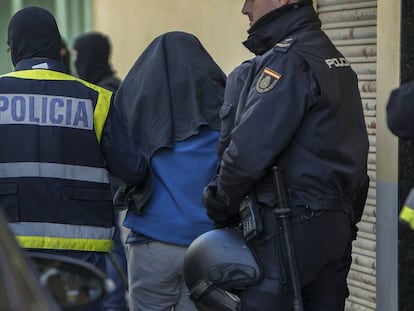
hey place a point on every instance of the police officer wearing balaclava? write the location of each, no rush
(63, 136)
(92, 53)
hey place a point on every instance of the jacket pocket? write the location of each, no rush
(9, 201)
(88, 194)
(87, 206)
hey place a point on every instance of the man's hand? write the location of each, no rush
(216, 209)
(119, 199)
(123, 197)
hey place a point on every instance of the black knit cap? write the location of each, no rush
(33, 32)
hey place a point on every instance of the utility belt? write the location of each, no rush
(296, 198)
(255, 215)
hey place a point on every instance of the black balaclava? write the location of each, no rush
(33, 33)
(92, 60)
(173, 89)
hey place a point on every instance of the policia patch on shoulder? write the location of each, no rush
(268, 80)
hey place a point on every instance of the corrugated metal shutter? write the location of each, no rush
(351, 24)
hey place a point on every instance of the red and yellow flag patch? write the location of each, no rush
(268, 80)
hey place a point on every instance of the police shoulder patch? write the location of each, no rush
(284, 45)
(267, 80)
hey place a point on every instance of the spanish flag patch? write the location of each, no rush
(268, 80)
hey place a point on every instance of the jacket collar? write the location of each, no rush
(40, 63)
(278, 24)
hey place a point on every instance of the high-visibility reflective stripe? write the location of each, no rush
(65, 243)
(104, 95)
(407, 215)
(61, 230)
(63, 236)
(54, 170)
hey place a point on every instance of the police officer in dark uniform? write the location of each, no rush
(295, 105)
(400, 116)
(92, 60)
(400, 112)
(61, 136)
(92, 53)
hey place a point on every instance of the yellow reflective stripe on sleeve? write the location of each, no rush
(101, 111)
(104, 96)
(407, 215)
(90, 245)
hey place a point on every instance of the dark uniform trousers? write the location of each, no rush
(322, 244)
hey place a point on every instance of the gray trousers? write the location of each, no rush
(156, 281)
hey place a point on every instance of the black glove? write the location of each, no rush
(120, 198)
(123, 198)
(216, 209)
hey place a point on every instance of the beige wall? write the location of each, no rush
(133, 24)
(388, 77)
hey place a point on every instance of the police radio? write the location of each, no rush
(250, 218)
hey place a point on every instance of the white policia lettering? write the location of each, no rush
(337, 62)
(46, 110)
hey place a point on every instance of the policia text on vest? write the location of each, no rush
(46, 110)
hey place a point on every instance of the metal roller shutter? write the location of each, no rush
(351, 24)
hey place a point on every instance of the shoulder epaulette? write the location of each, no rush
(284, 45)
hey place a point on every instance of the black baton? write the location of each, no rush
(282, 212)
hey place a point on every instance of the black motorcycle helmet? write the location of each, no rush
(215, 263)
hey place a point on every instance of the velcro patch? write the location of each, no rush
(284, 45)
(268, 80)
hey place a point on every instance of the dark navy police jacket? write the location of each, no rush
(296, 104)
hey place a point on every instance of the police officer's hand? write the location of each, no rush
(119, 198)
(217, 209)
(122, 198)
